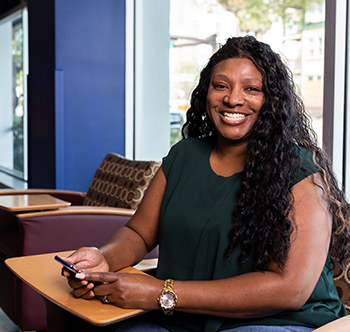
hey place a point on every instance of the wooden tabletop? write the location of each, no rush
(43, 273)
(21, 203)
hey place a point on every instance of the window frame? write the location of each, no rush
(147, 79)
(11, 177)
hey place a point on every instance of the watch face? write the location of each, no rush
(168, 300)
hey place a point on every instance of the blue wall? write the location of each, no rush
(90, 76)
(86, 118)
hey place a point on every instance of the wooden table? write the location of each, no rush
(43, 273)
(23, 203)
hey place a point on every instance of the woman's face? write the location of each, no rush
(235, 97)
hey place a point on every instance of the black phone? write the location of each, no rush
(68, 266)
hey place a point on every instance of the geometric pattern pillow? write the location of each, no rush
(341, 278)
(120, 182)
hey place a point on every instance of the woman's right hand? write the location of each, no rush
(87, 260)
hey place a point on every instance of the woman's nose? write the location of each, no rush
(234, 97)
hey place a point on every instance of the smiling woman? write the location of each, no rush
(246, 212)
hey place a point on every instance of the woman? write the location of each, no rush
(246, 211)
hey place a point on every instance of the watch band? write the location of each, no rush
(168, 299)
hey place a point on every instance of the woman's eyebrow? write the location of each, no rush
(245, 79)
(253, 79)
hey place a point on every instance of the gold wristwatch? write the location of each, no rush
(168, 299)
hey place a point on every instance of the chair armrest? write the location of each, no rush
(339, 325)
(75, 197)
(69, 228)
(81, 210)
(40, 191)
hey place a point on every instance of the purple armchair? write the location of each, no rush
(114, 194)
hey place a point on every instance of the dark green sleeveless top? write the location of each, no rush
(195, 220)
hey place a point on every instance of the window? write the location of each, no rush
(13, 111)
(311, 43)
(320, 46)
(330, 38)
(326, 95)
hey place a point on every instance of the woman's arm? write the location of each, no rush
(139, 236)
(127, 246)
(253, 294)
(264, 293)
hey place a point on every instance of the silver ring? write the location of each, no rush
(105, 299)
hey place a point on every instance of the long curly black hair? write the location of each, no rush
(282, 125)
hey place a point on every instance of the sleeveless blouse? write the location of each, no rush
(195, 220)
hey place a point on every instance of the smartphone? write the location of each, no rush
(68, 266)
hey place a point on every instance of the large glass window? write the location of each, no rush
(312, 40)
(13, 110)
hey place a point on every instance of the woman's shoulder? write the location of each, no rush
(186, 152)
(307, 159)
(308, 164)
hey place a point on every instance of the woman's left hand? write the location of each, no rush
(126, 290)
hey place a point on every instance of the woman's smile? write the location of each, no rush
(234, 118)
(235, 97)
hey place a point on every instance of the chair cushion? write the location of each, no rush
(120, 182)
(341, 277)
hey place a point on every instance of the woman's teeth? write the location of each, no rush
(233, 116)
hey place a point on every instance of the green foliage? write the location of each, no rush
(17, 44)
(258, 15)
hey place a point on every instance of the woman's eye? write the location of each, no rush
(220, 86)
(253, 89)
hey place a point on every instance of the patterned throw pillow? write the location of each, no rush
(341, 277)
(120, 182)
